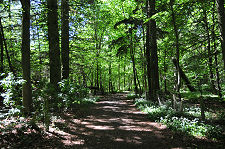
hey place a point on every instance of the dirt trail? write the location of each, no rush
(115, 123)
(112, 123)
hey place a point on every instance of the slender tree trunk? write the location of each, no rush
(221, 18)
(124, 77)
(119, 75)
(27, 91)
(213, 87)
(2, 53)
(6, 48)
(53, 36)
(177, 87)
(65, 39)
(133, 62)
(215, 50)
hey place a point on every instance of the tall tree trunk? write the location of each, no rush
(148, 49)
(65, 39)
(2, 53)
(53, 36)
(27, 91)
(153, 53)
(221, 18)
(133, 62)
(6, 48)
(213, 87)
(215, 50)
(177, 87)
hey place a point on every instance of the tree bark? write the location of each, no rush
(27, 91)
(211, 76)
(221, 18)
(183, 76)
(65, 39)
(6, 48)
(53, 37)
(148, 58)
(154, 54)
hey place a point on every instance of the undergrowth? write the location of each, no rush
(187, 121)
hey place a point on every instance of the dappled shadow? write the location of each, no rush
(114, 122)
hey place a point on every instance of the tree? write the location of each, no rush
(221, 18)
(25, 49)
(53, 37)
(65, 39)
(151, 52)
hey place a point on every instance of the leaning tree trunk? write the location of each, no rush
(27, 92)
(221, 18)
(65, 39)
(53, 36)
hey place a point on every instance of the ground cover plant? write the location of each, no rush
(188, 120)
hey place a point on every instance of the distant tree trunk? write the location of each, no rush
(6, 48)
(27, 91)
(2, 53)
(124, 77)
(177, 87)
(215, 50)
(53, 37)
(110, 77)
(133, 62)
(119, 75)
(221, 18)
(65, 39)
(165, 71)
(213, 87)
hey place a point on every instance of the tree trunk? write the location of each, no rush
(148, 49)
(221, 18)
(65, 39)
(177, 87)
(133, 62)
(53, 37)
(27, 91)
(6, 48)
(2, 53)
(213, 87)
(153, 53)
(183, 76)
(215, 50)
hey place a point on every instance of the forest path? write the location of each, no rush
(114, 123)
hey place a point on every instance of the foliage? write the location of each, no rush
(12, 94)
(187, 121)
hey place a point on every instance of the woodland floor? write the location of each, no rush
(112, 123)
